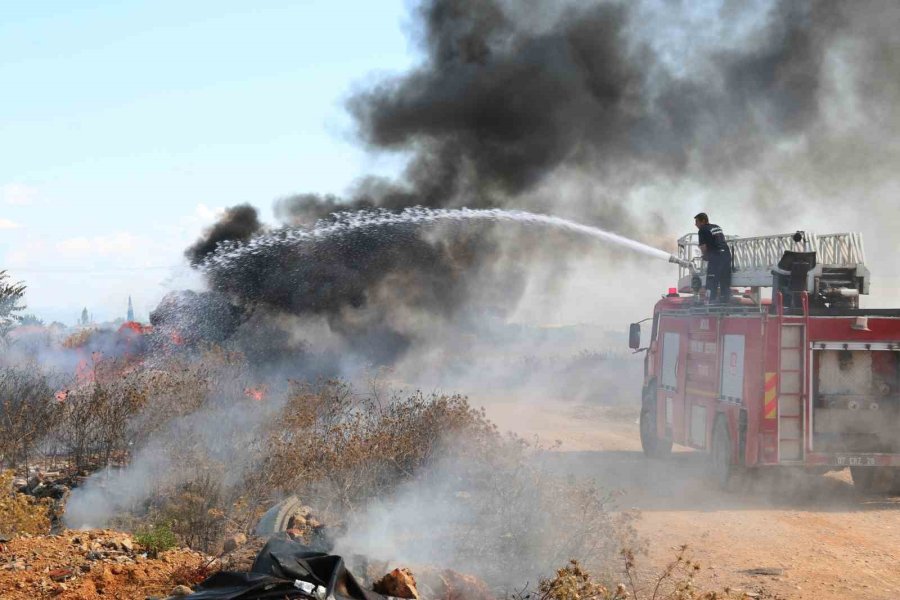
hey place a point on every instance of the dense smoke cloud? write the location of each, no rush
(510, 106)
(239, 223)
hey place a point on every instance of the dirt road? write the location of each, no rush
(799, 537)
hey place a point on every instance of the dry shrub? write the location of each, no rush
(674, 582)
(125, 406)
(78, 339)
(573, 582)
(339, 449)
(28, 412)
(197, 514)
(20, 513)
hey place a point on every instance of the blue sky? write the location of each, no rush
(125, 127)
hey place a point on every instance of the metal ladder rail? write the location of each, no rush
(759, 255)
(790, 393)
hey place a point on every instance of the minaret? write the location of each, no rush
(130, 310)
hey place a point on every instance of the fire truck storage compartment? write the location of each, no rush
(856, 399)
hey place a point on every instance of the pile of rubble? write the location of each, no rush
(54, 486)
(89, 565)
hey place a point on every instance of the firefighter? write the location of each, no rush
(715, 251)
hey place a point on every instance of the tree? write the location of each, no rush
(31, 319)
(11, 295)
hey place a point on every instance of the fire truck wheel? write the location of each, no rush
(653, 445)
(721, 468)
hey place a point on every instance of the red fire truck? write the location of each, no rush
(799, 376)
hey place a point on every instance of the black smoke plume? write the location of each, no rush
(513, 98)
(239, 224)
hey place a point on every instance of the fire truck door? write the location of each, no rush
(669, 375)
(668, 385)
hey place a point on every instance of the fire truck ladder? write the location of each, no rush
(840, 259)
(790, 393)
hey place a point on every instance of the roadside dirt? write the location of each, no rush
(795, 537)
(89, 565)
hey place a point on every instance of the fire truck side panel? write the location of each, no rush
(741, 382)
(670, 376)
(854, 384)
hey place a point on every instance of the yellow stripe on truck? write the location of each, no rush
(770, 408)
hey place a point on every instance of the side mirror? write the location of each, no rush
(634, 336)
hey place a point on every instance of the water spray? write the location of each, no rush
(348, 222)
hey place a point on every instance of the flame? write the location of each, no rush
(61, 396)
(257, 393)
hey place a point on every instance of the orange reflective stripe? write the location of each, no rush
(770, 409)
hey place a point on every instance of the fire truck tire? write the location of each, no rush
(721, 467)
(653, 445)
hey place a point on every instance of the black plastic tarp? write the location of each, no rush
(277, 567)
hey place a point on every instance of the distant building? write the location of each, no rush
(85, 318)
(130, 316)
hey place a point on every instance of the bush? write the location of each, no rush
(28, 412)
(573, 582)
(196, 514)
(338, 449)
(20, 513)
(157, 538)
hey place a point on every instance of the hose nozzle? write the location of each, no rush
(680, 261)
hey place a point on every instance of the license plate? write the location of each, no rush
(854, 461)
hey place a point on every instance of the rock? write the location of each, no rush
(297, 521)
(181, 590)
(60, 574)
(126, 544)
(235, 542)
(399, 583)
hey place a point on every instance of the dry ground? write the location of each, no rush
(802, 537)
(64, 567)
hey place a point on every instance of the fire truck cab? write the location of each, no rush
(800, 377)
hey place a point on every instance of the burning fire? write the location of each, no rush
(256, 393)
